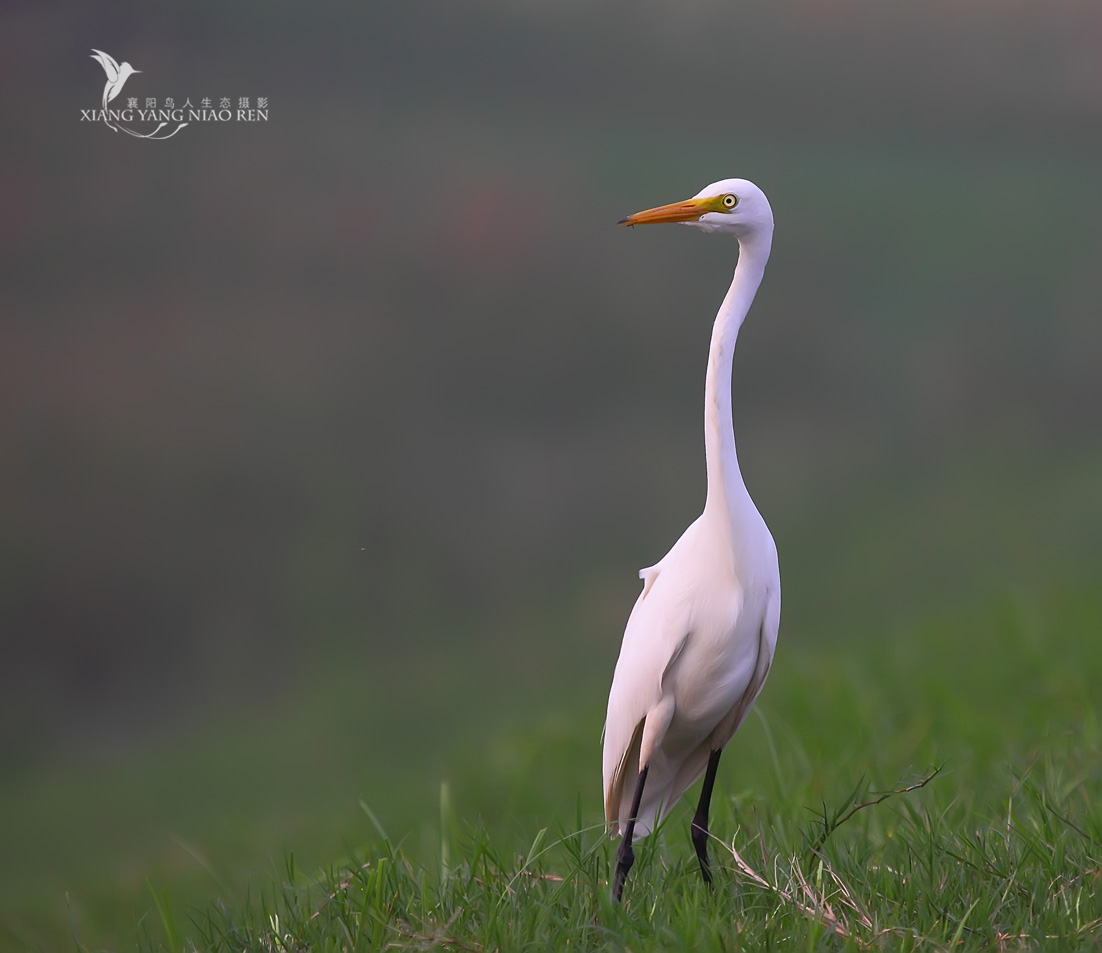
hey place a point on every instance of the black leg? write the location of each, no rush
(700, 821)
(625, 856)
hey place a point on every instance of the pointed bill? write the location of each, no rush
(688, 211)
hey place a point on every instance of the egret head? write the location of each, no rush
(730, 205)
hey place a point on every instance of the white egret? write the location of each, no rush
(700, 639)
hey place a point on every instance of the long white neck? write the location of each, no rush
(726, 489)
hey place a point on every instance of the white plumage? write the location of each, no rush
(700, 639)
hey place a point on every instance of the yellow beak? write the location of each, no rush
(688, 211)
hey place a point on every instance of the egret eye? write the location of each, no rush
(730, 201)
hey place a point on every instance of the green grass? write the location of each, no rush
(1002, 849)
(917, 877)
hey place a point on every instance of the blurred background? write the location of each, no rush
(332, 444)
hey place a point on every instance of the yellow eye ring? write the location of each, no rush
(730, 201)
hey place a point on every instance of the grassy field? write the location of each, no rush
(488, 835)
(996, 845)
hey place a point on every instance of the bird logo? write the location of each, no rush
(116, 75)
(116, 78)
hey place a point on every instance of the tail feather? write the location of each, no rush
(620, 786)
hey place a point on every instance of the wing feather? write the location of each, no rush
(694, 764)
(110, 67)
(656, 634)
